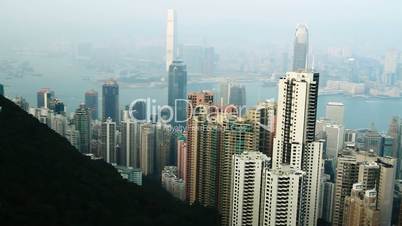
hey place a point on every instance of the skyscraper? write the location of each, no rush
(110, 100)
(171, 38)
(294, 144)
(82, 121)
(1, 90)
(44, 96)
(91, 101)
(128, 151)
(301, 48)
(196, 102)
(371, 172)
(57, 106)
(108, 141)
(247, 171)
(177, 91)
(237, 95)
(281, 201)
(237, 137)
(147, 148)
(335, 112)
(361, 207)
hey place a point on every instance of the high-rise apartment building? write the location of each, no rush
(198, 101)
(301, 48)
(247, 169)
(177, 91)
(237, 137)
(294, 144)
(147, 148)
(361, 207)
(110, 101)
(370, 171)
(281, 198)
(82, 121)
(171, 37)
(108, 140)
(91, 101)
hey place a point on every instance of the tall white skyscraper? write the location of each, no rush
(108, 140)
(335, 112)
(171, 38)
(294, 145)
(301, 48)
(247, 170)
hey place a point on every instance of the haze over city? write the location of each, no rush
(226, 113)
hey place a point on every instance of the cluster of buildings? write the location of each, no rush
(134, 147)
(273, 164)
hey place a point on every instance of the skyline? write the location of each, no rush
(253, 25)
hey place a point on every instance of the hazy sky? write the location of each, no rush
(366, 25)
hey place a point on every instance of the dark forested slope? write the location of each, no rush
(45, 181)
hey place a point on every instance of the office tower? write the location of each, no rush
(360, 207)
(335, 112)
(209, 61)
(224, 92)
(294, 144)
(1, 90)
(237, 137)
(108, 140)
(177, 91)
(147, 148)
(301, 48)
(333, 134)
(44, 96)
(22, 103)
(128, 151)
(197, 102)
(163, 154)
(394, 130)
(391, 60)
(237, 95)
(326, 198)
(110, 100)
(193, 55)
(91, 101)
(73, 136)
(171, 38)
(247, 171)
(57, 106)
(82, 121)
(387, 144)
(172, 183)
(281, 199)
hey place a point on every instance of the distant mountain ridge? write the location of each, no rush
(46, 181)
